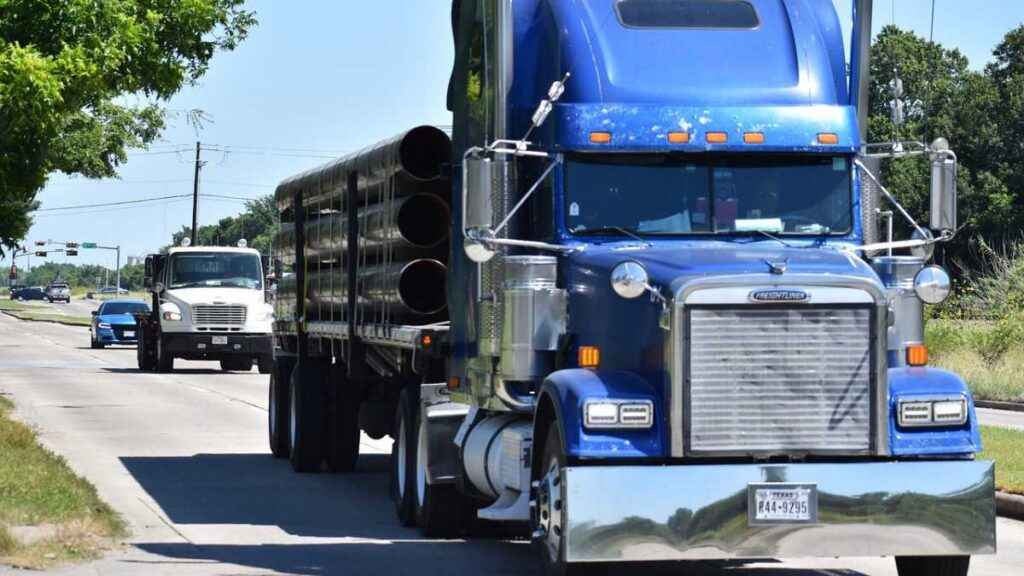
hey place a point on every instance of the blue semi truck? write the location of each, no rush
(639, 303)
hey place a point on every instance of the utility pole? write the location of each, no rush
(931, 35)
(195, 196)
(118, 270)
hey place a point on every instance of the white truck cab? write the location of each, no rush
(208, 304)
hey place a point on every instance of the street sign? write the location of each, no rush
(41, 254)
(71, 252)
(88, 244)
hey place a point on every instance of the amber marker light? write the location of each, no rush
(917, 355)
(679, 137)
(753, 138)
(600, 137)
(589, 357)
(828, 138)
(716, 137)
(453, 383)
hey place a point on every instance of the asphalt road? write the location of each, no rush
(183, 457)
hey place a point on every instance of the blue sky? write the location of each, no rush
(320, 78)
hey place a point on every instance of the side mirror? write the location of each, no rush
(943, 187)
(479, 177)
(147, 278)
(158, 287)
(95, 312)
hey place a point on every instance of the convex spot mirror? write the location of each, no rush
(932, 285)
(629, 280)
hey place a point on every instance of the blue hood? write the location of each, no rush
(116, 318)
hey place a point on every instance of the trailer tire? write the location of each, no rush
(437, 505)
(164, 359)
(306, 417)
(344, 422)
(932, 565)
(278, 412)
(403, 457)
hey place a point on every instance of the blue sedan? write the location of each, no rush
(114, 322)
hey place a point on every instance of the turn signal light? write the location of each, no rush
(716, 137)
(589, 357)
(600, 137)
(828, 138)
(753, 138)
(453, 383)
(679, 137)
(917, 355)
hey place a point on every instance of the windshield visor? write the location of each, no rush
(673, 195)
(216, 271)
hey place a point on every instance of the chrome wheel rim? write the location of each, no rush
(400, 464)
(421, 465)
(549, 510)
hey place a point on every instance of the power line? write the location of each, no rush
(108, 204)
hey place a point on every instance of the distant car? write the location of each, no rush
(58, 291)
(34, 293)
(112, 290)
(114, 322)
(14, 291)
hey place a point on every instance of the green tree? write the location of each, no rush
(257, 225)
(65, 66)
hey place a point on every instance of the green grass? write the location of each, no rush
(988, 355)
(39, 313)
(1006, 447)
(37, 488)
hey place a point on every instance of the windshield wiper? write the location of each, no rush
(608, 230)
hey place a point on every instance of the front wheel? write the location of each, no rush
(932, 565)
(548, 508)
(437, 505)
(95, 344)
(164, 359)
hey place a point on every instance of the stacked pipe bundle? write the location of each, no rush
(400, 209)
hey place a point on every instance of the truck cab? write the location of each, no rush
(208, 304)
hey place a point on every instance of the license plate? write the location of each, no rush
(129, 334)
(777, 503)
(220, 340)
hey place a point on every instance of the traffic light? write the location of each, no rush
(40, 242)
(41, 254)
(71, 252)
(71, 245)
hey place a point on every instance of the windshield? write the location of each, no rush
(123, 308)
(215, 270)
(670, 195)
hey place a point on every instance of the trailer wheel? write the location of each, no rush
(548, 520)
(164, 359)
(437, 505)
(278, 412)
(932, 565)
(403, 457)
(344, 422)
(306, 417)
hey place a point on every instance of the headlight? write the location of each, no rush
(918, 412)
(629, 280)
(932, 285)
(610, 414)
(104, 325)
(170, 311)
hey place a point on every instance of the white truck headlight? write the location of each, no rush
(921, 412)
(170, 311)
(612, 414)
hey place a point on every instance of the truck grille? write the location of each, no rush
(780, 380)
(218, 315)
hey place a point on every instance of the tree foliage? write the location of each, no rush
(65, 68)
(88, 276)
(257, 225)
(980, 113)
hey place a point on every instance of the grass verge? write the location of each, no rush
(40, 313)
(41, 495)
(1004, 446)
(988, 355)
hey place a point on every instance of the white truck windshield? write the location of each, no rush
(216, 270)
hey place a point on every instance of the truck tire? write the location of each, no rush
(278, 411)
(142, 355)
(403, 457)
(549, 513)
(265, 364)
(932, 565)
(344, 421)
(164, 359)
(306, 417)
(437, 505)
(95, 344)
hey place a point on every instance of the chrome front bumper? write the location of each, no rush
(690, 512)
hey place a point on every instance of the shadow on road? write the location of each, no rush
(181, 371)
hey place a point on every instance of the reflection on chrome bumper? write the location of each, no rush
(649, 513)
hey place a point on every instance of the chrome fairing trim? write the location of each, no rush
(691, 512)
(676, 352)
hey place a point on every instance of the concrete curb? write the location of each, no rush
(1000, 405)
(13, 314)
(1010, 505)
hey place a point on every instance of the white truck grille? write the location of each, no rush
(218, 314)
(779, 380)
